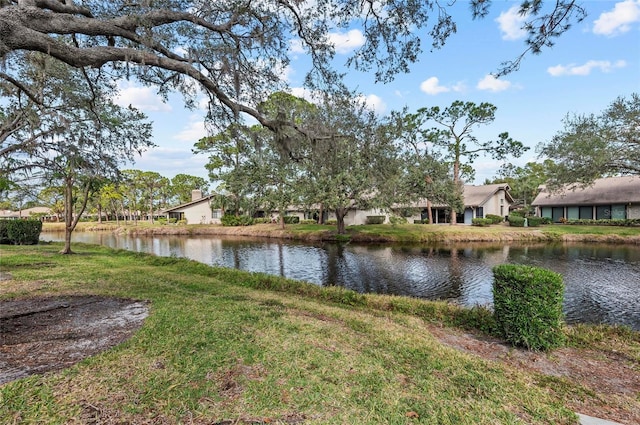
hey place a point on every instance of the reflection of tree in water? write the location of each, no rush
(456, 279)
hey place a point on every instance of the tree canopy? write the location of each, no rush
(234, 50)
(594, 146)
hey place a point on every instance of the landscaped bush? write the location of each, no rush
(534, 221)
(394, 219)
(308, 221)
(20, 232)
(528, 306)
(375, 219)
(482, 222)
(495, 219)
(232, 220)
(291, 219)
(423, 221)
(516, 220)
(606, 222)
(161, 220)
(547, 220)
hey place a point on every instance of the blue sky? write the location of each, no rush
(589, 66)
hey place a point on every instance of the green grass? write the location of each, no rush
(222, 344)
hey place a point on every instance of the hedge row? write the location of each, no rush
(232, 220)
(606, 222)
(20, 232)
(482, 222)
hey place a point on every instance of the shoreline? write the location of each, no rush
(370, 234)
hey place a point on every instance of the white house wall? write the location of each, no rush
(197, 213)
(633, 211)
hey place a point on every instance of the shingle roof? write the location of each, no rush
(187, 204)
(607, 191)
(475, 196)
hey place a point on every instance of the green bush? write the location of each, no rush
(528, 306)
(4, 237)
(605, 222)
(423, 221)
(20, 232)
(291, 219)
(547, 220)
(232, 220)
(516, 220)
(332, 222)
(375, 219)
(482, 222)
(308, 221)
(495, 219)
(261, 220)
(534, 221)
(394, 219)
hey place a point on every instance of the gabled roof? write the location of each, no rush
(476, 196)
(472, 196)
(607, 191)
(188, 204)
(25, 213)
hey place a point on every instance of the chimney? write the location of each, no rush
(196, 194)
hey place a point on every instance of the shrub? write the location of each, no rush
(495, 219)
(4, 237)
(375, 219)
(528, 306)
(181, 222)
(308, 221)
(546, 220)
(482, 222)
(20, 232)
(161, 220)
(232, 220)
(332, 222)
(423, 221)
(397, 220)
(534, 221)
(291, 219)
(516, 220)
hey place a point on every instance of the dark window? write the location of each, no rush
(586, 213)
(557, 213)
(603, 212)
(480, 212)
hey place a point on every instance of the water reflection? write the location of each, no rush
(602, 281)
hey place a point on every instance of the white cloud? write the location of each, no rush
(510, 23)
(432, 86)
(193, 131)
(142, 98)
(572, 69)
(374, 103)
(295, 46)
(491, 83)
(347, 42)
(618, 20)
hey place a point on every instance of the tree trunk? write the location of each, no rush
(100, 214)
(429, 212)
(282, 221)
(321, 218)
(340, 214)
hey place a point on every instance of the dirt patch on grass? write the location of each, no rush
(598, 382)
(38, 335)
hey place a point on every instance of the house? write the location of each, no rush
(606, 198)
(479, 201)
(198, 211)
(41, 213)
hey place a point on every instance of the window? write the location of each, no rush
(216, 214)
(480, 212)
(586, 213)
(603, 212)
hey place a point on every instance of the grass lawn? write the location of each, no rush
(224, 345)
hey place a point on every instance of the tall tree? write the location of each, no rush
(182, 186)
(79, 138)
(594, 146)
(153, 185)
(234, 50)
(351, 158)
(453, 134)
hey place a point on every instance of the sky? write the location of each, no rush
(595, 62)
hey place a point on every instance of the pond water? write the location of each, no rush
(602, 281)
